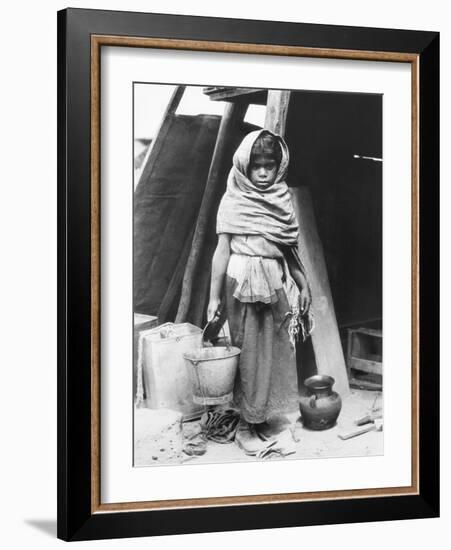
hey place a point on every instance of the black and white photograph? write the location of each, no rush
(257, 274)
(225, 274)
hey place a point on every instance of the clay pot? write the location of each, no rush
(321, 407)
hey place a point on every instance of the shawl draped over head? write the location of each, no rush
(247, 209)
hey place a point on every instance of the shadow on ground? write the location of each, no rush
(47, 526)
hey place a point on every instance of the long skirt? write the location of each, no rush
(266, 383)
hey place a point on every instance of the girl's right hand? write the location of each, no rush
(213, 308)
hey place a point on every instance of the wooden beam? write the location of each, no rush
(226, 93)
(325, 337)
(276, 111)
(233, 116)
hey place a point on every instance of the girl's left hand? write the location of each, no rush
(305, 300)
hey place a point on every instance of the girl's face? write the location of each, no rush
(262, 170)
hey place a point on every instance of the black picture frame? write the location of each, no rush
(77, 520)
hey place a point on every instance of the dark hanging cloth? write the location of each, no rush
(166, 205)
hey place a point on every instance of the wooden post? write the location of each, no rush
(233, 114)
(325, 337)
(276, 111)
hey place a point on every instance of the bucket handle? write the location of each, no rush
(228, 343)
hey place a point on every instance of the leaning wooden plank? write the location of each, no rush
(325, 337)
(233, 116)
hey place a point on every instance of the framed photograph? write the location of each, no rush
(248, 274)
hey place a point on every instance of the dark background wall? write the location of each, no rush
(324, 131)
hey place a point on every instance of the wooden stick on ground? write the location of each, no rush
(377, 426)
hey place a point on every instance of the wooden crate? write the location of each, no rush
(364, 358)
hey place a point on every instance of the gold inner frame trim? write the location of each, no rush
(97, 41)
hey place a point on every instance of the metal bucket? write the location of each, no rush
(213, 371)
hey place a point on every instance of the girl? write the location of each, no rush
(267, 297)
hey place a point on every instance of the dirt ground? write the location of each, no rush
(312, 444)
